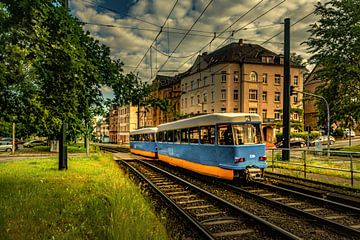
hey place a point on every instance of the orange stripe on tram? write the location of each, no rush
(143, 153)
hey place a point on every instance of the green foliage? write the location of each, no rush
(303, 135)
(93, 200)
(335, 45)
(50, 69)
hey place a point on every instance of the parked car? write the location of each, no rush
(294, 142)
(34, 143)
(323, 140)
(5, 146)
(349, 132)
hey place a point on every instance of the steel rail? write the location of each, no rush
(341, 229)
(227, 204)
(197, 225)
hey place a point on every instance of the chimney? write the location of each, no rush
(241, 41)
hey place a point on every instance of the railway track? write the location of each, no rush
(332, 220)
(345, 195)
(211, 216)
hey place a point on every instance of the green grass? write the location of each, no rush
(71, 148)
(352, 149)
(93, 199)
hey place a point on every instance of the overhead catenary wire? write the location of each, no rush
(217, 36)
(277, 34)
(186, 34)
(261, 15)
(157, 35)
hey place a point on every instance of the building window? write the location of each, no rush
(205, 97)
(205, 81)
(264, 114)
(277, 115)
(198, 99)
(264, 78)
(264, 96)
(236, 109)
(182, 103)
(277, 78)
(223, 110)
(198, 83)
(236, 76)
(212, 79)
(192, 101)
(212, 96)
(253, 94)
(223, 76)
(295, 116)
(182, 87)
(185, 103)
(252, 110)
(223, 94)
(296, 80)
(296, 98)
(253, 77)
(277, 97)
(236, 94)
(186, 87)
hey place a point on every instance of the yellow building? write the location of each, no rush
(122, 120)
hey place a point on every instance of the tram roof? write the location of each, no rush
(210, 119)
(144, 130)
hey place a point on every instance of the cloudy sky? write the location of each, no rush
(129, 28)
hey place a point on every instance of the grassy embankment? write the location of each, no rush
(320, 160)
(93, 199)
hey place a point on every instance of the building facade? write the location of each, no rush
(122, 120)
(241, 78)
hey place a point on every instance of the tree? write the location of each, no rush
(51, 70)
(335, 45)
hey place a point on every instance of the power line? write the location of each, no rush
(187, 33)
(261, 15)
(165, 54)
(217, 36)
(301, 19)
(161, 28)
(117, 12)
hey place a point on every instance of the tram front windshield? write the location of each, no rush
(239, 134)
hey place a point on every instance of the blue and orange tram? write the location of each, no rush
(143, 142)
(223, 145)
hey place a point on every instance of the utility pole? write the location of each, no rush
(63, 147)
(286, 97)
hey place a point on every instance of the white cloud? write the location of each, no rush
(130, 45)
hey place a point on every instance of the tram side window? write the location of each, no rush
(184, 136)
(170, 136)
(207, 135)
(146, 137)
(160, 136)
(132, 138)
(194, 135)
(152, 137)
(177, 136)
(225, 136)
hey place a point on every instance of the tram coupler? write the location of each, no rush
(254, 174)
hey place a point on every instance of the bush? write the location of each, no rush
(304, 135)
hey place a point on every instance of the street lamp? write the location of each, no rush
(327, 116)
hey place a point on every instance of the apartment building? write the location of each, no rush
(241, 78)
(122, 120)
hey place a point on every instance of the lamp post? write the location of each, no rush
(327, 116)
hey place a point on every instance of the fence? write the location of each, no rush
(333, 163)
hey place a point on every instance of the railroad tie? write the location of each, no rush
(266, 194)
(208, 214)
(335, 217)
(356, 226)
(278, 199)
(312, 209)
(183, 196)
(176, 193)
(198, 207)
(233, 233)
(191, 201)
(293, 204)
(219, 222)
(256, 190)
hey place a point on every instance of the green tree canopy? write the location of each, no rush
(50, 69)
(335, 45)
